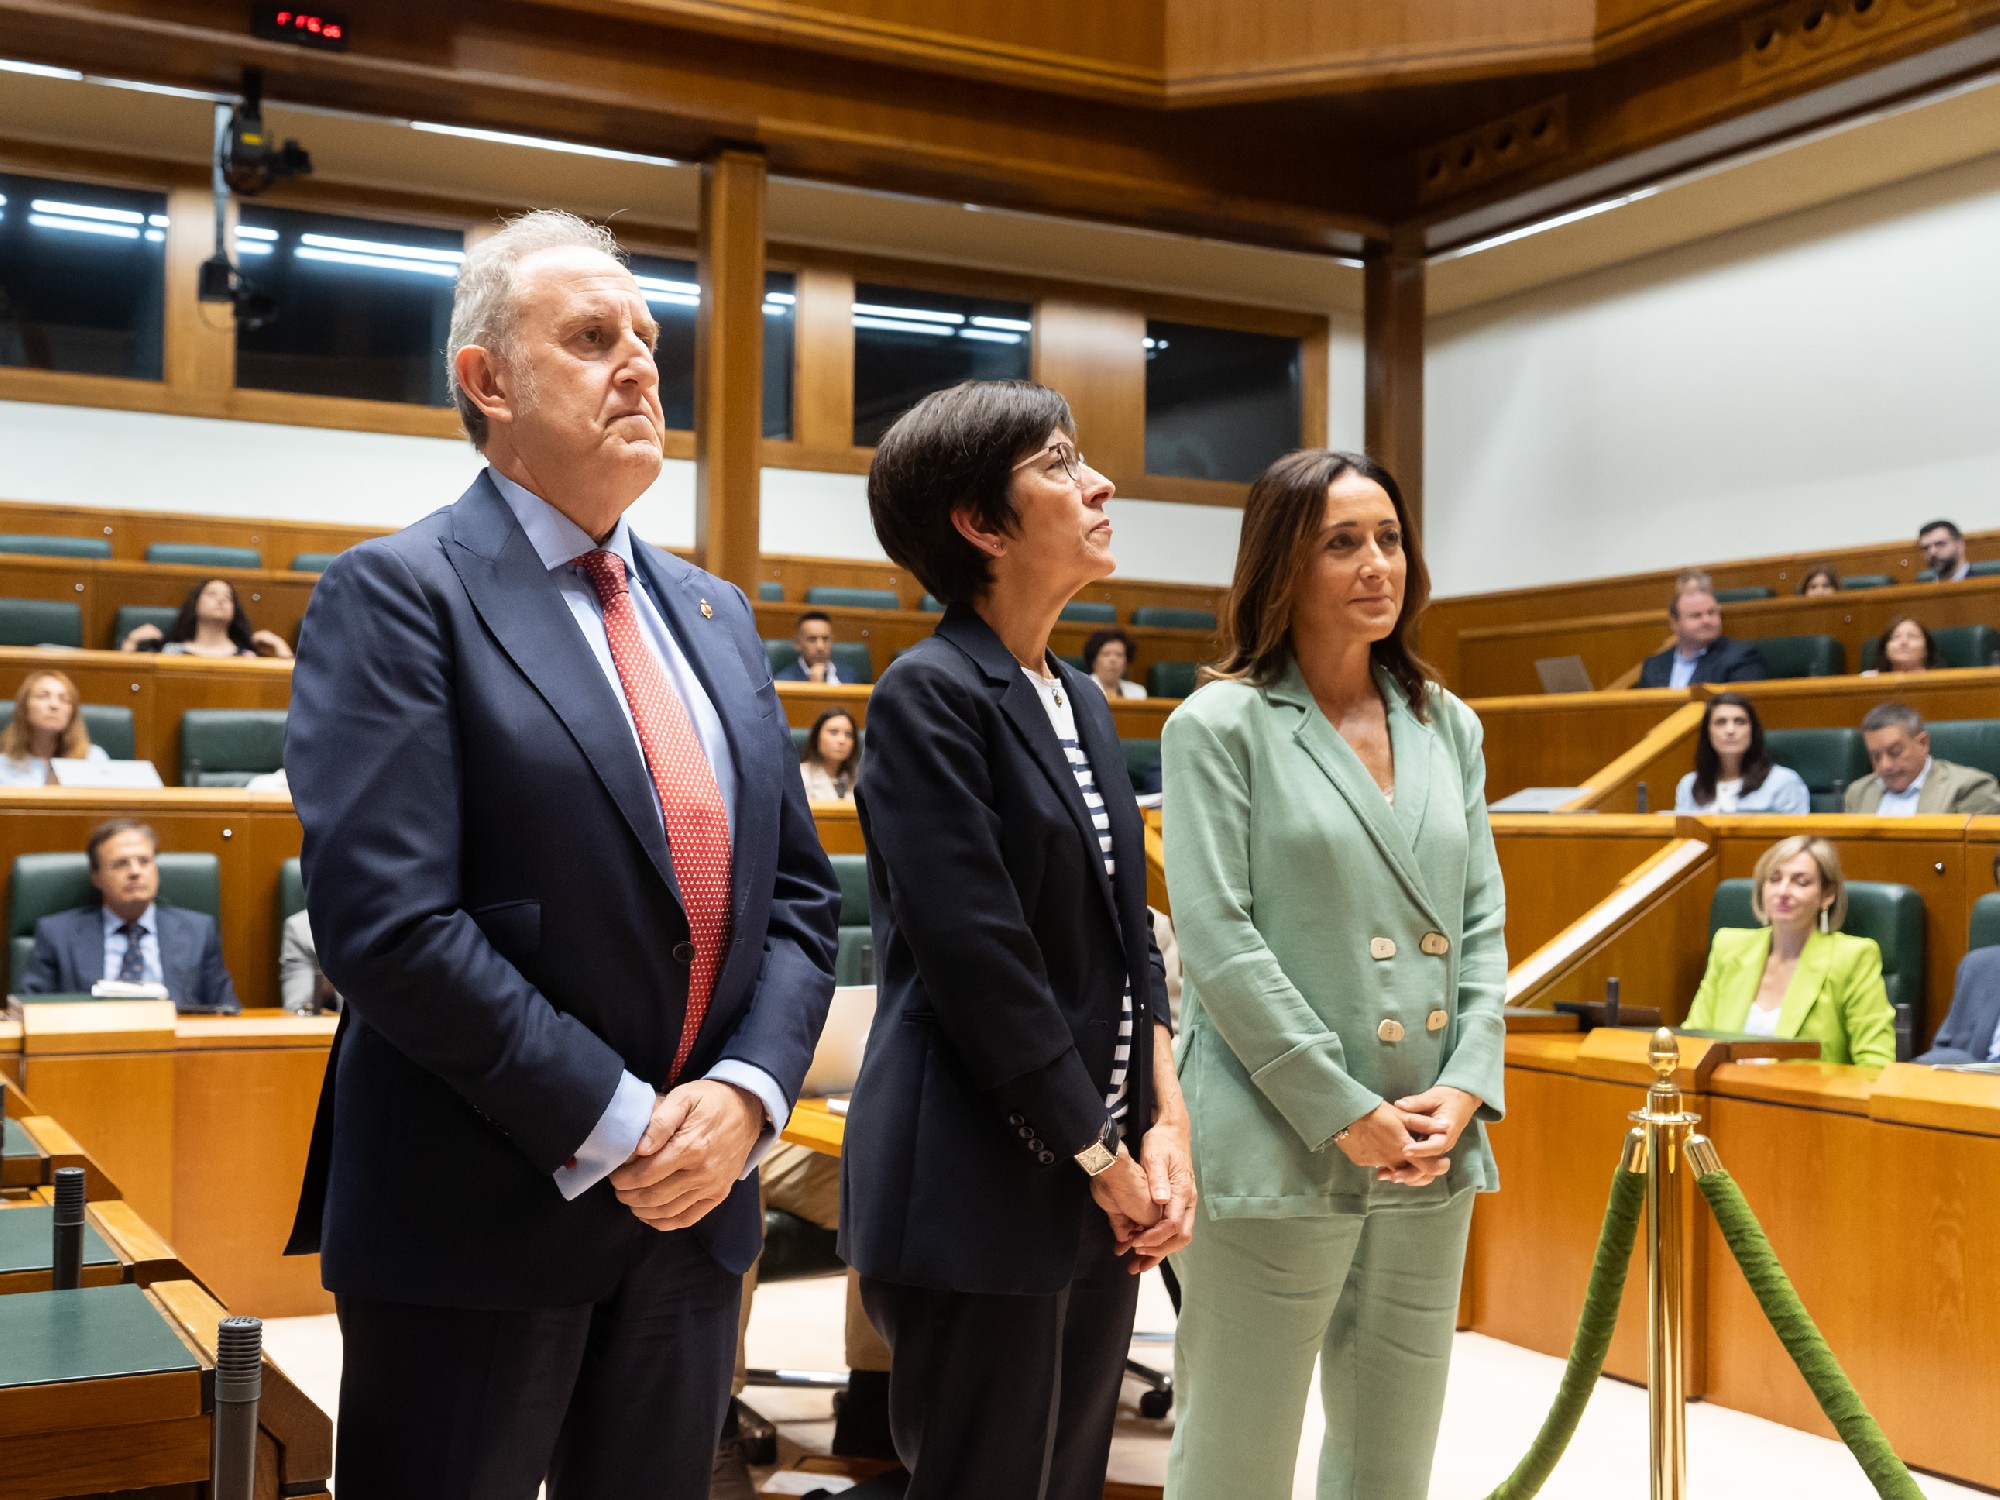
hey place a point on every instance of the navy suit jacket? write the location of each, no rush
(1003, 951)
(1725, 661)
(1968, 1030)
(492, 895)
(69, 957)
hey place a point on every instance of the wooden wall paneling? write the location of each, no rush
(1842, 702)
(243, 684)
(131, 531)
(1982, 847)
(120, 1108)
(1496, 661)
(200, 359)
(274, 600)
(1557, 867)
(1393, 339)
(839, 826)
(1653, 766)
(729, 365)
(1093, 352)
(823, 392)
(1561, 739)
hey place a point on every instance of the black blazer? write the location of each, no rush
(69, 958)
(492, 895)
(1725, 661)
(1002, 955)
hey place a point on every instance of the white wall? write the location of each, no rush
(1828, 379)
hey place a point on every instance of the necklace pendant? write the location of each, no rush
(1059, 698)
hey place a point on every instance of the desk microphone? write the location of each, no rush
(67, 1262)
(239, 1384)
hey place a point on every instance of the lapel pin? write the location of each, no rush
(706, 612)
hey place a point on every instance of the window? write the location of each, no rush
(361, 308)
(908, 344)
(82, 277)
(674, 297)
(1220, 404)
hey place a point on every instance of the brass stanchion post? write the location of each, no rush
(1666, 1125)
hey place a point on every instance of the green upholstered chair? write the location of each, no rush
(108, 724)
(854, 960)
(1827, 760)
(1893, 915)
(1179, 619)
(1089, 612)
(1869, 581)
(31, 545)
(1744, 594)
(43, 884)
(930, 604)
(850, 658)
(1171, 679)
(1985, 931)
(770, 591)
(291, 889)
(201, 555)
(1074, 661)
(1142, 758)
(131, 616)
(227, 746)
(312, 562)
(1958, 646)
(1970, 742)
(779, 654)
(830, 594)
(1802, 655)
(40, 622)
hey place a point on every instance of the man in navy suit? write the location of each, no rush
(561, 869)
(813, 640)
(1971, 1030)
(129, 935)
(1700, 652)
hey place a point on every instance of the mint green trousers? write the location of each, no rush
(1372, 1296)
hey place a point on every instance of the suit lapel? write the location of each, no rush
(1808, 979)
(86, 950)
(1935, 799)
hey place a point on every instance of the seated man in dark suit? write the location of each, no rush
(1701, 652)
(128, 936)
(813, 636)
(1971, 1030)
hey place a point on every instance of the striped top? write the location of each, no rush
(1062, 716)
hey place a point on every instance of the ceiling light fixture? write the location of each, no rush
(540, 143)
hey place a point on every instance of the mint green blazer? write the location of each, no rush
(1835, 998)
(1335, 951)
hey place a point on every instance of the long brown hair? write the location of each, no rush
(1281, 525)
(18, 743)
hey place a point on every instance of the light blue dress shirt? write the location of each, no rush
(557, 540)
(1680, 671)
(1783, 791)
(149, 945)
(32, 770)
(1903, 804)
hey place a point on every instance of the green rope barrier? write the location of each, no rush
(1803, 1341)
(1593, 1338)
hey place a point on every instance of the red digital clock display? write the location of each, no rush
(309, 28)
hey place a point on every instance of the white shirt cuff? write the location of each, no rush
(612, 1141)
(777, 1110)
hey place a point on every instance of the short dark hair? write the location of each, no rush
(1951, 526)
(956, 449)
(1893, 716)
(111, 828)
(810, 615)
(1099, 639)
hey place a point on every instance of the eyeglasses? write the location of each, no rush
(1061, 455)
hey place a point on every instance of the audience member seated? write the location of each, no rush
(303, 987)
(1819, 581)
(813, 637)
(1944, 550)
(830, 760)
(1700, 652)
(47, 725)
(1799, 976)
(1107, 656)
(128, 936)
(1971, 1032)
(1907, 782)
(211, 623)
(1732, 773)
(1906, 647)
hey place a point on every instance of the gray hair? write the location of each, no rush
(482, 303)
(1893, 716)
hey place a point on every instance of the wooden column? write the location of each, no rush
(729, 366)
(200, 362)
(1393, 330)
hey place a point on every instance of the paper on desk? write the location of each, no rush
(801, 1482)
(837, 1105)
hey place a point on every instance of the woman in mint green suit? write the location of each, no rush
(1340, 914)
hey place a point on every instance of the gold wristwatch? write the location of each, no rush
(1097, 1157)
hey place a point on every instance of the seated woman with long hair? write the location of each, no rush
(831, 756)
(47, 725)
(1732, 773)
(1907, 647)
(211, 623)
(1820, 580)
(1799, 975)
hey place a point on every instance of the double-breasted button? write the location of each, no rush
(1436, 944)
(1390, 1031)
(1047, 1158)
(684, 952)
(1026, 1132)
(1035, 1146)
(1381, 947)
(1437, 1021)
(1016, 1120)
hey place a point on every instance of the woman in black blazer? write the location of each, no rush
(1017, 1149)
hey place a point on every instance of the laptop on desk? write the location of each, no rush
(1563, 674)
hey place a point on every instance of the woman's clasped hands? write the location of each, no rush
(1411, 1140)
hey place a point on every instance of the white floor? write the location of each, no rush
(1498, 1397)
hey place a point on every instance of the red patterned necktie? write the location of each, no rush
(697, 823)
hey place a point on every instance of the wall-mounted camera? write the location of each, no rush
(247, 162)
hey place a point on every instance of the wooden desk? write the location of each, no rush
(1558, 866)
(274, 600)
(816, 1127)
(1562, 739)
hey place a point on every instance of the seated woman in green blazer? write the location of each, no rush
(1340, 913)
(1788, 979)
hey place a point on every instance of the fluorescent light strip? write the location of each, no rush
(1588, 211)
(84, 226)
(251, 232)
(155, 236)
(381, 249)
(40, 70)
(88, 211)
(380, 262)
(253, 247)
(651, 284)
(1008, 325)
(907, 314)
(989, 335)
(540, 143)
(890, 325)
(158, 221)
(784, 297)
(673, 299)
